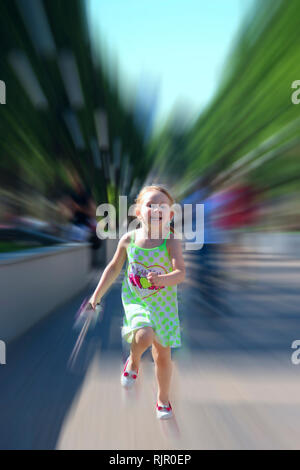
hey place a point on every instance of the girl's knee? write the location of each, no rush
(144, 336)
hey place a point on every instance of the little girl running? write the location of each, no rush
(149, 290)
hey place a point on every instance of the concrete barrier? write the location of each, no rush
(35, 282)
(99, 256)
(111, 246)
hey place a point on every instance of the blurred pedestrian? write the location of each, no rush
(81, 210)
(208, 269)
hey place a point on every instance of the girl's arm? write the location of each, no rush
(112, 271)
(178, 274)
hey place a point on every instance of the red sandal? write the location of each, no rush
(164, 411)
(128, 378)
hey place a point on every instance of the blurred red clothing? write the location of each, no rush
(238, 208)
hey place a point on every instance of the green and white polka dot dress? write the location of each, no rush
(145, 305)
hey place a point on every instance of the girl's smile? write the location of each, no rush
(155, 209)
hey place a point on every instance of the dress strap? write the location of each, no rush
(165, 240)
(132, 237)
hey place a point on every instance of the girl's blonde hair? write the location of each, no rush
(152, 187)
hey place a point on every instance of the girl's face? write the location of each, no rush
(154, 210)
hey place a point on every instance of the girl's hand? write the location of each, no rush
(154, 279)
(93, 302)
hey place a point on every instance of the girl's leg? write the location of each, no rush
(163, 371)
(142, 339)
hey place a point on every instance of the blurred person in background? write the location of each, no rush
(78, 205)
(208, 272)
(81, 204)
(238, 210)
(212, 269)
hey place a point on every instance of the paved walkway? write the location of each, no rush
(233, 387)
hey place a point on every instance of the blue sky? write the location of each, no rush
(177, 47)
